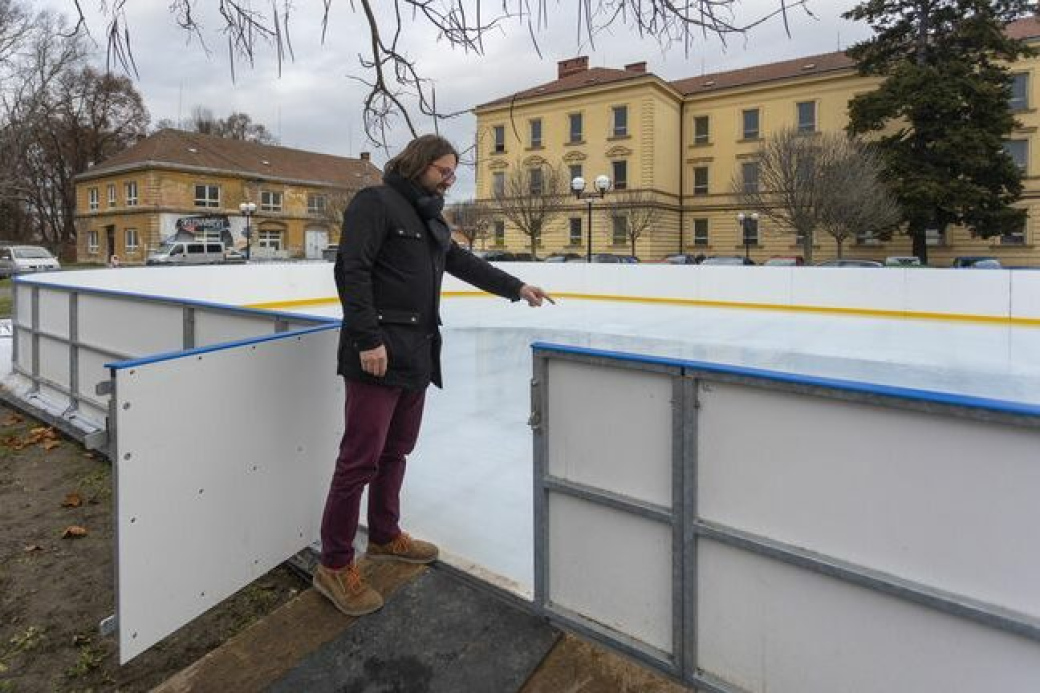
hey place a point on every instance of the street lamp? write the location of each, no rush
(247, 209)
(602, 185)
(748, 223)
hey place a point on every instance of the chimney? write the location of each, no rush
(366, 156)
(636, 67)
(572, 66)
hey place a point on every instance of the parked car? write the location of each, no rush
(187, 253)
(20, 259)
(849, 262)
(629, 259)
(234, 257)
(988, 262)
(902, 261)
(784, 261)
(563, 257)
(495, 255)
(607, 258)
(728, 260)
(683, 259)
(329, 253)
(524, 257)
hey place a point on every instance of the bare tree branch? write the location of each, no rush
(532, 197)
(394, 81)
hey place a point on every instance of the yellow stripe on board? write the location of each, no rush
(861, 312)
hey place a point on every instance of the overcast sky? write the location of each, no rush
(316, 105)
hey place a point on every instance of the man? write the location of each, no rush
(394, 249)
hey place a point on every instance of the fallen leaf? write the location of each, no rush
(38, 431)
(72, 500)
(12, 420)
(33, 547)
(50, 444)
(74, 531)
(80, 640)
(89, 455)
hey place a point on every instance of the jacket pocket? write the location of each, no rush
(397, 317)
(406, 234)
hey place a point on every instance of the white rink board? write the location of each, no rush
(219, 327)
(772, 628)
(613, 567)
(205, 508)
(920, 502)
(54, 312)
(611, 430)
(125, 325)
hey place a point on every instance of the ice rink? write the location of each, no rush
(482, 501)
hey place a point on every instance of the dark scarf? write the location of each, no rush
(427, 205)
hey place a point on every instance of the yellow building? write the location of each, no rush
(177, 184)
(677, 148)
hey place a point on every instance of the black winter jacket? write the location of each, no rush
(388, 275)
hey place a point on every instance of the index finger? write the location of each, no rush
(549, 299)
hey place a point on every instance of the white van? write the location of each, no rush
(187, 253)
(19, 259)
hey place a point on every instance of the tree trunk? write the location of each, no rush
(919, 237)
(534, 246)
(807, 247)
(634, 246)
(841, 243)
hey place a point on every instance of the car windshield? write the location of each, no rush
(32, 253)
(780, 261)
(164, 249)
(724, 261)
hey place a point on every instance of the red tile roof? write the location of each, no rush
(787, 69)
(580, 80)
(178, 149)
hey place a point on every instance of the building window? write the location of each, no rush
(207, 196)
(620, 169)
(866, 238)
(92, 242)
(1014, 238)
(749, 174)
(750, 231)
(620, 121)
(1018, 150)
(272, 240)
(111, 195)
(806, 116)
(620, 231)
(500, 138)
(499, 234)
(270, 201)
(536, 182)
(93, 199)
(498, 184)
(1019, 100)
(317, 203)
(935, 237)
(700, 232)
(700, 130)
(575, 171)
(575, 231)
(751, 124)
(131, 194)
(575, 128)
(536, 133)
(700, 180)
(131, 241)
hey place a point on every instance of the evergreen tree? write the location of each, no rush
(941, 114)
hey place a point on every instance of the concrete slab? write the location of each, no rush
(437, 635)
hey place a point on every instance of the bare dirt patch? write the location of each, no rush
(57, 575)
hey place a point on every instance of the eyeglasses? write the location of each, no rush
(447, 174)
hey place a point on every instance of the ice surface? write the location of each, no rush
(470, 484)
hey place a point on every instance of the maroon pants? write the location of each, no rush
(381, 426)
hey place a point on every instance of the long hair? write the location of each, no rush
(418, 155)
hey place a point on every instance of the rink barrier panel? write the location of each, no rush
(64, 334)
(231, 493)
(992, 628)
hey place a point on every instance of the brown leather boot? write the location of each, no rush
(403, 548)
(346, 589)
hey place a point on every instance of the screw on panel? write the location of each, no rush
(126, 405)
(254, 467)
(200, 491)
(133, 635)
(133, 520)
(127, 456)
